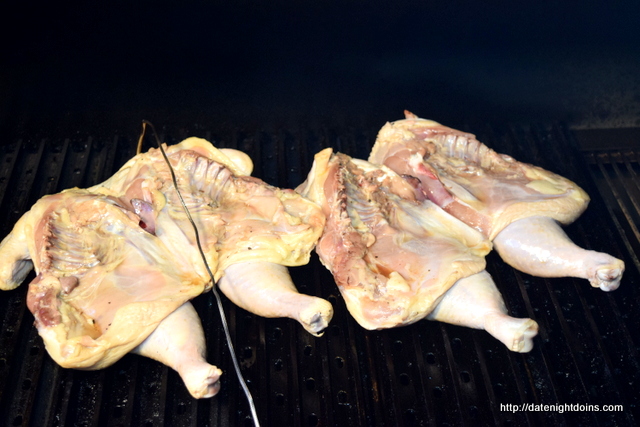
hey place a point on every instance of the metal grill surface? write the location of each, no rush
(424, 374)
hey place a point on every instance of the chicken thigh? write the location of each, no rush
(475, 302)
(266, 289)
(178, 342)
(538, 246)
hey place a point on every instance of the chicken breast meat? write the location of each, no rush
(516, 205)
(117, 263)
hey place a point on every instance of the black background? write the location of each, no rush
(82, 67)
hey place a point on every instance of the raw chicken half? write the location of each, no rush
(515, 204)
(393, 257)
(117, 263)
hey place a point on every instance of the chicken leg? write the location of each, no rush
(538, 246)
(266, 289)
(475, 302)
(179, 343)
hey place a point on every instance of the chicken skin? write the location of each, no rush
(538, 246)
(475, 302)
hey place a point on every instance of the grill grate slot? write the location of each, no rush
(428, 373)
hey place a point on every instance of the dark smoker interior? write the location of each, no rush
(557, 85)
(252, 64)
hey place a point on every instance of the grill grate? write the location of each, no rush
(424, 374)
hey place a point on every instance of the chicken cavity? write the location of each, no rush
(485, 189)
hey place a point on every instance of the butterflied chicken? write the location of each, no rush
(117, 263)
(516, 205)
(393, 257)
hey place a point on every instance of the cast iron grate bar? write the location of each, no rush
(426, 374)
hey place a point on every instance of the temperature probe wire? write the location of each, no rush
(223, 317)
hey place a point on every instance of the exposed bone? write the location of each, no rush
(485, 189)
(391, 255)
